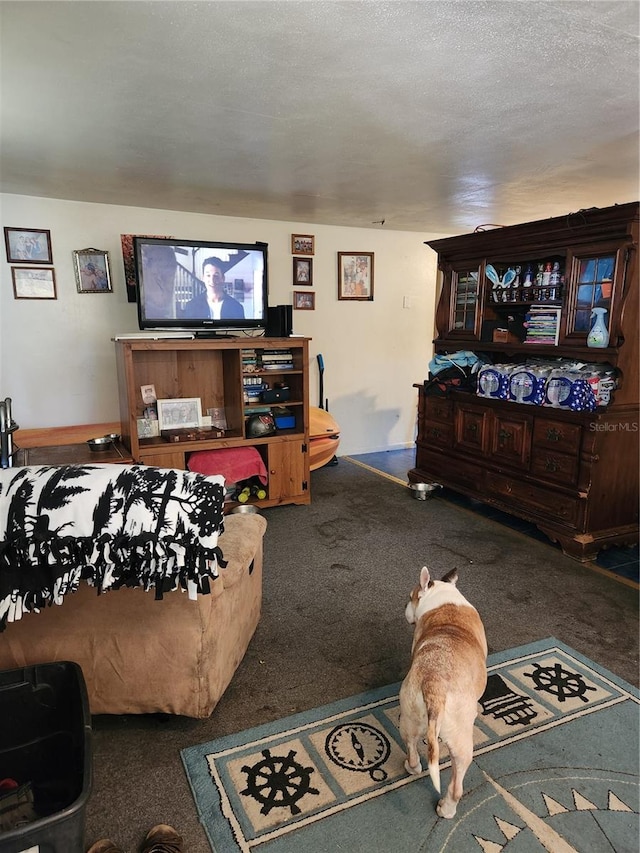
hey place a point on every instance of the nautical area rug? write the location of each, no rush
(555, 769)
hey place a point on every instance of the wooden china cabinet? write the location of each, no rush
(573, 473)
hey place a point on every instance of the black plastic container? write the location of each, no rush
(45, 739)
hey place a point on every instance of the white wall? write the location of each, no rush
(57, 359)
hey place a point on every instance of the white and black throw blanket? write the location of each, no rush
(109, 525)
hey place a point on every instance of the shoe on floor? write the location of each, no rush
(162, 839)
(105, 845)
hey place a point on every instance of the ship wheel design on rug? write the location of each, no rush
(359, 747)
(559, 682)
(278, 781)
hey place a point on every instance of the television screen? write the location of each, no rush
(199, 285)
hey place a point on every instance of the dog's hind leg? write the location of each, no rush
(413, 724)
(461, 752)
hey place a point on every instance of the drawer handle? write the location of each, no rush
(551, 465)
(504, 435)
(472, 428)
(434, 432)
(553, 434)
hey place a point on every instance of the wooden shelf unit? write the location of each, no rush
(212, 371)
(574, 474)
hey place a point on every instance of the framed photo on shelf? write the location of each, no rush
(304, 301)
(92, 271)
(33, 283)
(303, 271)
(355, 276)
(179, 413)
(28, 244)
(302, 244)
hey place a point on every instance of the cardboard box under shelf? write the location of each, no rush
(504, 336)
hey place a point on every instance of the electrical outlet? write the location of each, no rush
(406, 302)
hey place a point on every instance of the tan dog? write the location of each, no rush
(448, 675)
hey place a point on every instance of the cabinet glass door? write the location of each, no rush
(593, 277)
(465, 300)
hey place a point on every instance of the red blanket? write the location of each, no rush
(233, 463)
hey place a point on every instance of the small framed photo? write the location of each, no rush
(304, 301)
(33, 283)
(92, 271)
(302, 244)
(303, 271)
(28, 244)
(148, 393)
(180, 413)
(355, 276)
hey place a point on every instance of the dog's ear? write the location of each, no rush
(425, 578)
(451, 577)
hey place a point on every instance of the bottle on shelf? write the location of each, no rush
(249, 489)
(598, 334)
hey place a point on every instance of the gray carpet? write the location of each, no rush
(337, 575)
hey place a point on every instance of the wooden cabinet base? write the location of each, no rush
(586, 547)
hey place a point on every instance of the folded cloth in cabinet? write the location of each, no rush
(233, 463)
(110, 525)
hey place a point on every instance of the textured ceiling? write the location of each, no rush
(434, 116)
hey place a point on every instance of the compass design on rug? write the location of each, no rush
(560, 682)
(359, 747)
(278, 781)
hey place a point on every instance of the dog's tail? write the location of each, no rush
(434, 711)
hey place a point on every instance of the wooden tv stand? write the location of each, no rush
(212, 369)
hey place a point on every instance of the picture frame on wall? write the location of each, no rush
(355, 276)
(302, 244)
(303, 271)
(28, 244)
(33, 283)
(179, 413)
(91, 267)
(304, 300)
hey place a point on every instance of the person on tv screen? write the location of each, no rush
(159, 266)
(215, 303)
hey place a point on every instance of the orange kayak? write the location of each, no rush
(324, 437)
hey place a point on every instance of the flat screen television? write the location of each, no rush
(200, 286)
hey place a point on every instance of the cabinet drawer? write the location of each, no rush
(171, 459)
(559, 467)
(539, 500)
(557, 435)
(437, 433)
(472, 428)
(511, 440)
(437, 409)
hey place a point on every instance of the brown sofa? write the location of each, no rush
(140, 655)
